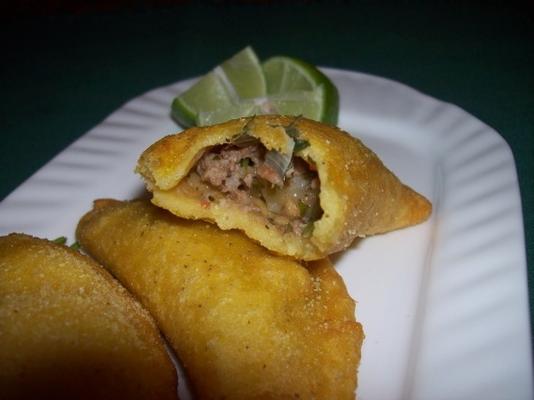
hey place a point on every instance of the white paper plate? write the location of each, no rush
(443, 304)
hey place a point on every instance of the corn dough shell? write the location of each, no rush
(69, 330)
(359, 195)
(245, 323)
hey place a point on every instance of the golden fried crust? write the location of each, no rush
(245, 323)
(359, 195)
(69, 330)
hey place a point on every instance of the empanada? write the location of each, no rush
(69, 330)
(245, 323)
(299, 187)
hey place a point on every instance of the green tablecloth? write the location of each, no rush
(63, 74)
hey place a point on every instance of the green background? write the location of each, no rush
(65, 70)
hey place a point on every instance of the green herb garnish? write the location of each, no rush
(60, 240)
(293, 132)
(245, 163)
(300, 144)
(303, 208)
(291, 129)
(308, 230)
(243, 139)
(244, 130)
(63, 241)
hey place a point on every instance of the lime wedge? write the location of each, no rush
(243, 108)
(225, 87)
(240, 86)
(296, 87)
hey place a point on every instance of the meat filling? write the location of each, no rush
(289, 201)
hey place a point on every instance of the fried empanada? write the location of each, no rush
(69, 330)
(245, 323)
(299, 187)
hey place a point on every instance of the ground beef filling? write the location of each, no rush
(289, 202)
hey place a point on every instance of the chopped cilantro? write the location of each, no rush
(60, 240)
(300, 144)
(291, 129)
(303, 207)
(308, 230)
(245, 162)
(63, 241)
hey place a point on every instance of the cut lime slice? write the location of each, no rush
(240, 86)
(296, 87)
(241, 109)
(225, 87)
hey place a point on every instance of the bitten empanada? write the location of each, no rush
(299, 187)
(245, 323)
(69, 330)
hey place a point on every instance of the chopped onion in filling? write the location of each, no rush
(251, 176)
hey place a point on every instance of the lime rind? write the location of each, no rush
(183, 113)
(330, 110)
